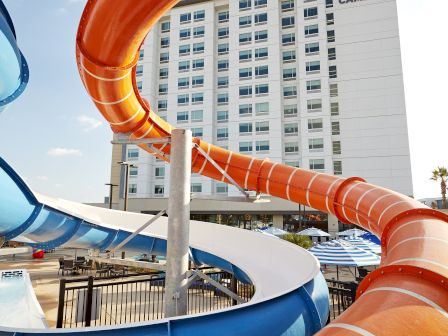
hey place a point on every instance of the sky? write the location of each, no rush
(56, 140)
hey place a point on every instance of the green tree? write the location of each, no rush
(302, 241)
(441, 174)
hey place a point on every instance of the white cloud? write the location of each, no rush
(42, 178)
(88, 123)
(59, 151)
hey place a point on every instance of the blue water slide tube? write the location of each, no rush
(13, 67)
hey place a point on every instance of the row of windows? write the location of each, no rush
(246, 21)
(185, 49)
(259, 53)
(247, 4)
(194, 116)
(185, 33)
(159, 190)
(260, 146)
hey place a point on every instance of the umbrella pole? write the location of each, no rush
(337, 272)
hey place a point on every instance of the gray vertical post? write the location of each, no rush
(178, 224)
(126, 187)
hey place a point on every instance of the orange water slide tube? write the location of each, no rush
(407, 295)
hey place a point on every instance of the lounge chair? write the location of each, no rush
(101, 270)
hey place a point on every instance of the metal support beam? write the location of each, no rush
(219, 286)
(222, 171)
(176, 290)
(136, 232)
(131, 263)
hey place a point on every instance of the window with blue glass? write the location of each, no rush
(261, 18)
(199, 15)
(245, 38)
(185, 18)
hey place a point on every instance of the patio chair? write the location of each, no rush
(87, 267)
(69, 266)
(101, 270)
(118, 270)
(61, 265)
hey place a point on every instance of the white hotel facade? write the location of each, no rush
(315, 84)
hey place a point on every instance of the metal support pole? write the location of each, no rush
(176, 289)
(111, 190)
(126, 187)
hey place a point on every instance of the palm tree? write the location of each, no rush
(441, 173)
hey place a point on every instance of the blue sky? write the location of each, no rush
(55, 138)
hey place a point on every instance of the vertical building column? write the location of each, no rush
(178, 224)
(333, 225)
(277, 220)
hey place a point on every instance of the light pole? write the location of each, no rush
(111, 189)
(127, 165)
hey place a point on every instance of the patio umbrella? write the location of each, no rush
(275, 231)
(265, 233)
(371, 237)
(341, 253)
(313, 232)
(365, 245)
(351, 233)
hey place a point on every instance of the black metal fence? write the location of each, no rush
(342, 295)
(94, 302)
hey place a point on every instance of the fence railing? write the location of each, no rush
(342, 295)
(89, 302)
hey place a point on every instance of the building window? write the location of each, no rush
(197, 81)
(133, 171)
(288, 22)
(329, 3)
(197, 132)
(223, 82)
(222, 116)
(290, 91)
(333, 71)
(245, 147)
(223, 32)
(291, 129)
(139, 86)
(336, 147)
(290, 111)
(132, 188)
(159, 172)
(245, 38)
(334, 107)
(331, 37)
(198, 48)
(199, 31)
(317, 164)
(245, 21)
(314, 105)
(183, 99)
(182, 117)
(245, 55)
(163, 89)
(223, 65)
(245, 109)
(223, 98)
(197, 98)
(184, 66)
(222, 133)
(312, 67)
(164, 57)
(291, 147)
(245, 73)
(337, 167)
(197, 115)
(245, 4)
(163, 73)
(289, 56)
(315, 125)
(313, 85)
(330, 19)
(287, 5)
(184, 33)
(159, 190)
(221, 188)
(295, 164)
(261, 108)
(261, 18)
(260, 3)
(335, 128)
(261, 89)
(223, 16)
(223, 48)
(262, 146)
(334, 92)
(316, 145)
(311, 30)
(141, 54)
(162, 105)
(165, 27)
(288, 39)
(312, 48)
(185, 18)
(184, 50)
(331, 54)
(139, 70)
(261, 35)
(262, 126)
(310, 13)
(245, 91)
(133, 153)
(198, 64)
(183, 83)
(245, 128)
(196, 187)
(289, 74)
(199, 15)
(164, 42)
(261, 53)
(261, 71)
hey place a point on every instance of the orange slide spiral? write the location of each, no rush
(407, 295)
